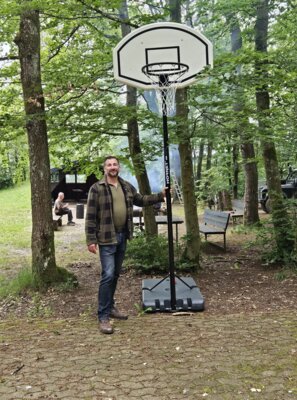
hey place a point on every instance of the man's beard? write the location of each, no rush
(113, 174)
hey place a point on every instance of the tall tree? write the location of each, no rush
(192, 250)
(134, 139)
(280, 218)
(235, 162)
(251, 215)
(199, 162)
(44, 267)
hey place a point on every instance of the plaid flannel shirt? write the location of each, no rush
(99, 226)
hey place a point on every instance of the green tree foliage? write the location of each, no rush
(215, 95)
(13, 142)
(86, 110)
(84, 103)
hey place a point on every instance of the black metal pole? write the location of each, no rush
(168, 197)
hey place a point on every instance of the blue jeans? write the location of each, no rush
(111, 257)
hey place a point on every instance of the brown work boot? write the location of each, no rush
(115, 313)
(105, 326)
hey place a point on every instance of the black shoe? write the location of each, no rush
(70, 223)
(115, 313)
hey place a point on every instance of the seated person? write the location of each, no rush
(61, 208)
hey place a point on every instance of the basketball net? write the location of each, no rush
(164, 78)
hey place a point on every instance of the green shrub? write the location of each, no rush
(25, 282)
(266, 238)
(146, 254)
(5, 180)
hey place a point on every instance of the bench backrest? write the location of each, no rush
(219, 219)
(237, 204)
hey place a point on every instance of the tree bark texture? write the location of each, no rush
(251, 214)
(280, 216)
(43, 251)
(235, 156)
(199, 162)
(138, 163)
(224, 200)
(187, 176)
(220, 201)
(134, 142)
(209, 156)
(192, 250)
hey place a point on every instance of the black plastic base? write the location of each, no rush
(188, 295)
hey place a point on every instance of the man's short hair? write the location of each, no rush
(109, 158)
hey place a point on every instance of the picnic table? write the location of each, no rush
(160, 220)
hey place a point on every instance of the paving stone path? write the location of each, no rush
(153, 357)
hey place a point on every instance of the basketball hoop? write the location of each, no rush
(164, 56)
(164, 77)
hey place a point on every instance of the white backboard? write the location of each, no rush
(162, 42)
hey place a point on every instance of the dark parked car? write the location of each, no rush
(289, 188)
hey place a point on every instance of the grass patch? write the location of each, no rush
(15, 233)
(15, 243)
(24, 282)
(14, 287)
(15, 216)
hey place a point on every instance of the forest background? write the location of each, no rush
(233, 128)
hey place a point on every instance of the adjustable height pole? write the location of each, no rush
(168, 196)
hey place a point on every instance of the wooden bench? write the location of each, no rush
(215, 223)
(57, 221)
(237, 210)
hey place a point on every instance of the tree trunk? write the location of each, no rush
(251, 215)
(138, 163)
(192, 251)
(229, 161)
(280, 218)
(199, 163)
(235, 156)
(220, 205)
(211, 200)
(224, 201)
(227, 203)
(134, 142)
(43, 251)
(209, 156)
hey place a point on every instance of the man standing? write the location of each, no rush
(109, 223)
(61, 208)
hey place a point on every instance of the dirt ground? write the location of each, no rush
(235, 281)
(242, 346)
